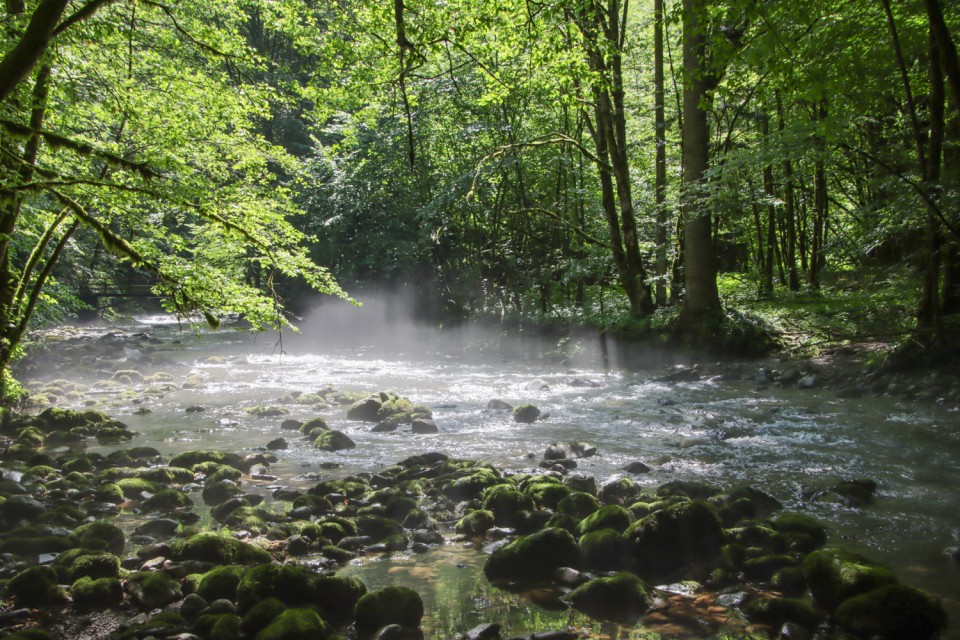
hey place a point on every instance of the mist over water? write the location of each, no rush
(783, 441)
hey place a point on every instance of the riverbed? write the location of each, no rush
(726, 426)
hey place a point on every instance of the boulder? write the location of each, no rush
(475, 523)
(499, 405)
(611, 516)
(534, 557)
(672, 540)
(526, 413)
(218, 549)
(424, 425)
(36, 586)
(506, 503)
(101, 535)
(97, 593)
(564, 450)
(153, 590)
(605, 550)
(892, 611)
(331, 440)
(220, 582)
(390, 605)
(294, 624)
(578, 505)
(297, 586)
(623, 598)
(835, 575)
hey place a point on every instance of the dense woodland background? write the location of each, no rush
(636, 165)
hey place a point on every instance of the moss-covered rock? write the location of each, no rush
(802, 532)
(506, 503)
(692, 489)
(534, 557)
(526, 413)
(36, 586)
(318, 505)
(475, 523)
(472, 485)
(167, 500)
(605, 550)
(226, 627)
(216, 549)
(622, 491)
(110, 492)
(166, 475)
(674, 539)
(764, 567)
(578, 505)
(218, 492)
(220, 583)
(611, 516)
(391, 605)
(189, 459)
(101, 535)
(96, 565)
(547, 495)
(332, 440)
(295, 624)
(622, 598)
(298, 586)
(835, 575)
(378, 527)
(261, 615)
(775, 612)
(892, 612)
(153, 590)
(97, 593)
(34, 540)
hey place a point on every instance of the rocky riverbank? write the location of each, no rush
(270, 570)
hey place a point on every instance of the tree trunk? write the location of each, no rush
(767, 281)
(701, 297)
(946, 48)
(817, 255)
(19, 61)
(660, 140)
(789, 214)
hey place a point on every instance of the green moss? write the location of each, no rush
(153, 590)
(217, 549)
(391, 605)
(261, 615)
(475, 523)
(188, 459)
(298, 586)
(167, 500)
(220, 582)
(892, 611)
(101, 535)
(166, 475)
(623, 598)
(775, 612)
(36, 586)
(331, 440)
(547, 495)
(834, 575)
(506, 503)
(534, 557)
(802, 532)
(110, 492)
(526, 413)
(101, 565)
(99, 593)
(295, 624)
(672, 541)
(133, 488)
(604, 550)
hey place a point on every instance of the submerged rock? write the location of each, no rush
(331, 440)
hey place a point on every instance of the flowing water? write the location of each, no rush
(780, 440)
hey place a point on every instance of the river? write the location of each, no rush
(725, 431)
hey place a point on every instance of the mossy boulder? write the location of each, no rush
(623, 598)
(153, 590)
(297, 586)
(892, 612)
(692, 489)
(36, 586)
(622, 491)
(295, 624)
(472, 485)
(475, 523)
(391, 605)
(189, 459)
(835, 575)
(378, 527)
(611, 516)
(220, 583)
(506, 503)
(775, 612)
(802, 532)
(261, 615)
(167, 500)
(313, 423)
(218, 492)
(34, 540)
(97, 593)
(671, 541)
(110, 492)
(95, 565)
(101, 535)
(534, 557)
(526, 413)
(217, 549)
(547, 495)
(331, 440)
(764, 567)
(578, 505)
(226, 627)
(605, 550)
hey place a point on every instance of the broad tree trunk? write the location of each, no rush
(946, 48)
(701, 297)
(20, 61)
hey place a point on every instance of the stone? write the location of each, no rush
(297, 586)
(611, 516)
(605, 550)
(153, 590)
(390, 605)
(892, 611)
(526, 413)
(623, 598)
(569, 450)
(578, 505)
(36, 586)
(167, 500)
(637, 468)
(835, 575)
(776, 612)
(218, 549)
(533, 557)
(101, 535)
(499, 405)
(220, 582)
(670, 541)
(332, 440)
(425, 426)
(506, 503)
(475, 523)
(295, 624)
(278, 444)
(97, 593)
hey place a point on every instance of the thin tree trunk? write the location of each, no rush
(790, 222)
(767, 282)
(820, 203)
(660, 140)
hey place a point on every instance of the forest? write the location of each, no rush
(683, 282)
(614, 164)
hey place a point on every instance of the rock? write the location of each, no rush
(424, 425)
(333, 441)
(21, 507)
(101, 535)
(623, 598)
(499, 405)
(583, 383)
(214, 493)
(578, 505)
(582, 483)
(36, 586)
(167, 500)
(526, 413)
(892, 611)
(611, 516)
(99, 565)
(506, 503)
(534, 557)
(159, 528)
(220, 582)
(668, 542)
(802, 532)
(217, 549)
(537, 385)
(291, 425)
(366, 410)
(297, 586)
(776, 612)
(475, 523)
(561, 450)
(619, 491)
(809, 381)
(277, 444)
(484, 631)
(189, 459)
(390, 605)
(835, 575)
(681, 374)
(605, 550)
(295, 624)
(637, 468)
(99, 593)
(688, 488)
(387, 426)
(192, 605)
(153, 590)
